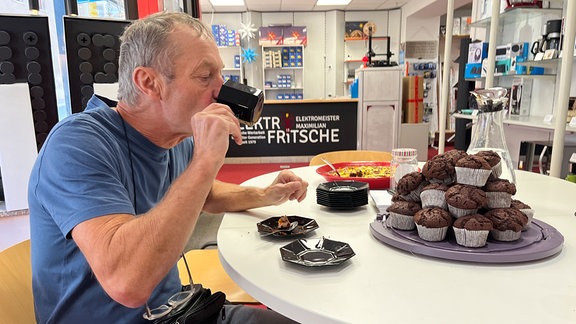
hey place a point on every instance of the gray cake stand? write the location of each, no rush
(539, 241)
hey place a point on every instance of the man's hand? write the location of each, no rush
(287, 186)
(212, 128)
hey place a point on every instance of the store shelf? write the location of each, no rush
(284, 68)
(366, 38)
(529, 76)
(283, 89)
(543, 63)
(516, 14)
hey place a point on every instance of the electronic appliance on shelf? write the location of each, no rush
(551, 32)
(370, 29)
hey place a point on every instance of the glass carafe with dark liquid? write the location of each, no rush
(488, 133)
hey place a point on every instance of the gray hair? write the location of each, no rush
(146, 42)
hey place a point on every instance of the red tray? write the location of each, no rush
(374, 183)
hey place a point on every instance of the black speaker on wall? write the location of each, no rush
(463, 133)
(192, 7)
(92, 50)
(464, 86)
(25, 57)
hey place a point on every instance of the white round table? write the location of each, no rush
(384, 284)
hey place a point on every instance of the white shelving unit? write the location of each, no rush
(232, 58)
(283, 72)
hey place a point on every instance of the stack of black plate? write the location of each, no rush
(342, 194)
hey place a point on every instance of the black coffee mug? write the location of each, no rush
(245, 101)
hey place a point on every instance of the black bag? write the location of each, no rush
(203, 308)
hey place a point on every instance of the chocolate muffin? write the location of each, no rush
(396, 197)
(472, 230)
(401, 214)
(433, 195)
(464, 200)
(439, 169)
(515, 203)
(527, 210)
(410, 185)
(494, 160)
(499, 193)
(472, 170)
(454, 155)
(432, 223)
(507, 222)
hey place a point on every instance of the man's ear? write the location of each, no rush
(148, 81)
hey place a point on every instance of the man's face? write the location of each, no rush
(197, 82)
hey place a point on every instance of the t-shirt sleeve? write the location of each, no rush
(82, 175)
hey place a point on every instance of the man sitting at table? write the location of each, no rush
(117, 189)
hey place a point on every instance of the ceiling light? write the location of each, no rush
(227, 3)
(332, 2)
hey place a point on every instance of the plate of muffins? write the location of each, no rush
(459, 208)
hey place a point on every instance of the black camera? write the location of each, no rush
(246, 102)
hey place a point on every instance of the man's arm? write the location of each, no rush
(231, 197)
(130, 255)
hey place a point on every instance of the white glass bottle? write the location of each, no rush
(404, 161)
(488, 134)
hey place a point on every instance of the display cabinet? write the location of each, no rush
(550, 90)
(523, 25)
(379, 108)
(283, 72)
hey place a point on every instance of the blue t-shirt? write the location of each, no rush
(88, 167)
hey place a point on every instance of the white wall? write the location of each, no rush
(324, 54)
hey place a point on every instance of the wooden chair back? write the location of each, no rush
(351, 155)
(16, 300)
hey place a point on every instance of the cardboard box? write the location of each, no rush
(295, 35)
(520, 97)
(354, 30)
(412, 99)
(477, 52)
(456, 26)
(270, 36)
(465, 25)
(473, 70)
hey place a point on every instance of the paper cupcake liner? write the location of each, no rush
(447, 181)
(414, 195)
(470, 238)
(497, 169)
(400, 221)
(432, 234)
(473, 177)
(433, 198)
(459, 212)
(498, 200)
(506, 236)
(530, 214)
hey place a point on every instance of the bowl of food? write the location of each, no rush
(375, 173)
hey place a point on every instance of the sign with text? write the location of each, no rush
(299, 129)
